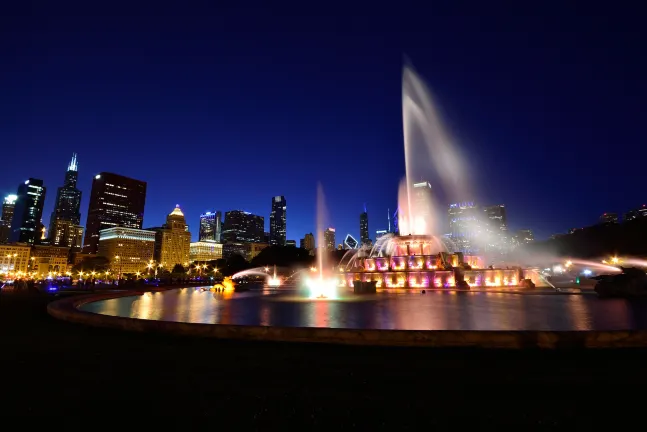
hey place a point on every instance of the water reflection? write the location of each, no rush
(405, 310)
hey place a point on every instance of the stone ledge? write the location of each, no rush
(67, 310)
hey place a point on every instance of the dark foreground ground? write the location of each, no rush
(53, 368)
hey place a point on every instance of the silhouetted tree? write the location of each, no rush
(283, 256)
(97, 264)
(627, 238)
(178, 269)
(235, 263)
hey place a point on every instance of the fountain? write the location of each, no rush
(418, 258)
(273, 281)
(324, 284)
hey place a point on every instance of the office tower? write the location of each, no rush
(244, 227)
(278, 221)
(524, 236)
(363, 228)
(380, 233)
(14, 258)
(8, 207)
(495, 227)
(496, 217)
(129, 250)
(115, 201)
(64, 224)
(465, 221)
(329, 239)
(26, 222)
(173, 240)
(211, 226)
(308, 242)
(421, 204)
(292, 243)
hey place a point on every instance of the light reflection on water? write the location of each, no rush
(408, 310)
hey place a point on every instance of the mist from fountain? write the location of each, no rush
(324, 285)
(427, 146)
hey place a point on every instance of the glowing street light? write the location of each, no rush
(615, 260)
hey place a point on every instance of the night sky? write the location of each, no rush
(225, 107)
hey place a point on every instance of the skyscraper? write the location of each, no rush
(329, 239)
(308, 242)
(210, 226)
(8, 207)
(244, 227)
(496, 217)
(173, 240)
(495, 228)
(26, 222)
(115, 201)
(363, 228)
(65, 221)
(465, 226)
(278, 221)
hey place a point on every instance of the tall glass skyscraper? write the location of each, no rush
(8, 207)
(211, 226)
(25, 225)
(363, 228)
(115, 201)
(278, 221)
(64, 224)
(244, 227)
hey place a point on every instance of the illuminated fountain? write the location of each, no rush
(417, 258)
(273, 281)
(323, 283)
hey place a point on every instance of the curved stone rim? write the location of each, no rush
(67, 310)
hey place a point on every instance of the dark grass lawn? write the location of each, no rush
(50, 367)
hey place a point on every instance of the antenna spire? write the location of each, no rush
(73, 166)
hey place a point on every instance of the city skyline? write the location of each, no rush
(520, 148)
(278, 203)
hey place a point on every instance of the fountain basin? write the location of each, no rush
(474, 319)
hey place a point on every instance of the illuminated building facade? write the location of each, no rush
(8, 206)
(363, 228)
(127, 249)
(278, 221)
(308, 242)
(210, 226)
(49, 260)
(465, 221)
(66, 218)
(243, 227)
(329, 239)
(28, 212)
(115, 201)
(380, 233)
(14, 258)
(524, 236)
(496, 227)
(173, 241)
(292, 243)
(205, 251)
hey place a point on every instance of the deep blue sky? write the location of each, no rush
(224, 107)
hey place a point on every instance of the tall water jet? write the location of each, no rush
(324, 284)
(429, 152)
